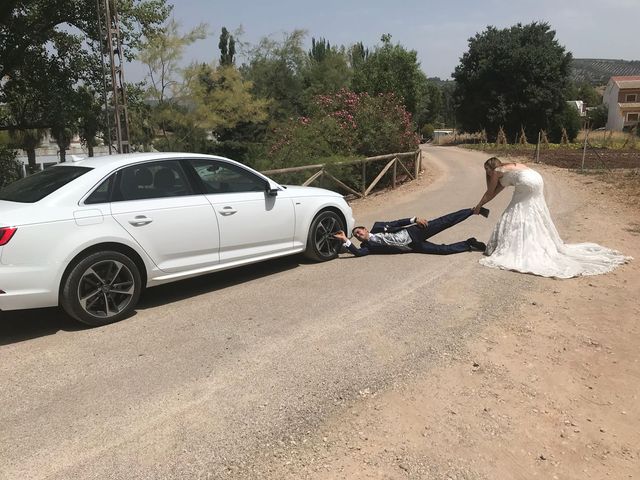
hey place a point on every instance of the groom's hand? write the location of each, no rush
(422, 222)
(340, 236)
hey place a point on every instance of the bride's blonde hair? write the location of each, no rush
(492, 163)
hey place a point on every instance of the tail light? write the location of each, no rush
(5, 234)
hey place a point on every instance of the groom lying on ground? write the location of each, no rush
(410, 235)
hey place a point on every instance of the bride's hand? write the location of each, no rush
(476, 209)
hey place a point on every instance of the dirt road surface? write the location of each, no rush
(394, 367)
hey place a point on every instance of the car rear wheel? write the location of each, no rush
(321, 245)
(102, 288)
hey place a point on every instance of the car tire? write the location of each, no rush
(101, 288)
(321, 245)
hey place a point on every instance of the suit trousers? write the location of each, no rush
(435, 226)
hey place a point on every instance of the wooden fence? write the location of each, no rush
(398, 171)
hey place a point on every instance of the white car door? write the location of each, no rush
(252, 223)
(156, 204)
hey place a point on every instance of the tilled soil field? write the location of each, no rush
(572, 158)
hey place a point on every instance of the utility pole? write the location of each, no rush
(105, 101)
(119, 94)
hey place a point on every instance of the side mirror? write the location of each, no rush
(270, 191)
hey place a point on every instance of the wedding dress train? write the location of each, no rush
(526, 240)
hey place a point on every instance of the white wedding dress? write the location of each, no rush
(526, 240)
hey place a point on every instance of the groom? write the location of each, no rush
(410, 235)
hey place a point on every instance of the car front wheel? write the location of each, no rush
(321, 244)
(101, 288)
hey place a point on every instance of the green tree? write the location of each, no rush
(511, 77)
(326, 70)
(358, 54)
(583, 91)
(589, 95)
(90, 117)
(221, 99)
(227, 46)
(28, 140)
(141, 129)
(276, 70)
(598, 116)
(430, 104)
(26, 102)
(63, 108)
(161, 53)
(389, 68)
(568, 119)
(44, 63)
(10, 167)
(25, 26)
(344, 124)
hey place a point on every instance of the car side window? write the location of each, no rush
(222, 177)
(152, 180)
(102, 193)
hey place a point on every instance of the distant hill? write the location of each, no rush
(439, 82)
(597, 71)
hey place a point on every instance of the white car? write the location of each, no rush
(91, 235)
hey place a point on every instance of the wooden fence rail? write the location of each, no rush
(393, 161)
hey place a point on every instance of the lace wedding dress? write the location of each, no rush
(526, 240)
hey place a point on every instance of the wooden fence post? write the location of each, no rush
(395, 173)
(380, 175)
(584, 149)
(393, 160)
(364, 178)
(313, 177)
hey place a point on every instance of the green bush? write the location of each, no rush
(568, 119)
(10, 167)
(343, 124)
(427, 131)
(598, 116)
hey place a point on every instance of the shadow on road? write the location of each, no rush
(18, 326)
(176, 291)
(22, 325)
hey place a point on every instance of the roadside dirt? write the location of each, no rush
(384, 367)
(550, 390)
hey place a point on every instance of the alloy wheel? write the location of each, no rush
(326, 244)
(106, 288)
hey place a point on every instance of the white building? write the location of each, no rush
(48, 152)
(579, 106)
(622, 97)
(438, 134)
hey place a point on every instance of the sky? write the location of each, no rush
(437, 31)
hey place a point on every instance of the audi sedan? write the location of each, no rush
(89, 236)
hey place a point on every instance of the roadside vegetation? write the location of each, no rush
(282, 102)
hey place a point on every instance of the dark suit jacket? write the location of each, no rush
(367, 248)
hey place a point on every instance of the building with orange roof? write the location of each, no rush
(622, 97)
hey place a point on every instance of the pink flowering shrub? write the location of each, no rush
(341, 125)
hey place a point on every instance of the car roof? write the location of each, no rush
(113, 162)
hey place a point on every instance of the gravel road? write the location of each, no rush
(232, 374)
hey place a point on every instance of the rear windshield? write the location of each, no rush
(35, 187)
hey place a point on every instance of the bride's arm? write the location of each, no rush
(493, 189)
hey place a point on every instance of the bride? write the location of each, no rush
(525, 238)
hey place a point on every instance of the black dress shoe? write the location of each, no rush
(475, 245)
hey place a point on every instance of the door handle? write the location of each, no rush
(140, 220)
(226, 211)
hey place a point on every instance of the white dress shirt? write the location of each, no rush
(399, 239)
